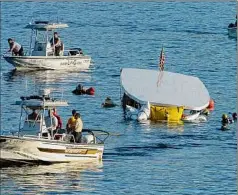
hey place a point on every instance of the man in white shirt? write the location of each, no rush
(15, 48)
(51, 122)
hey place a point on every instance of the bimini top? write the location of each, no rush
(42, 100)
(45, 25)
(173, 89)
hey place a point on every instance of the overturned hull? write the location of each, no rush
(33, 149)
(49, 62)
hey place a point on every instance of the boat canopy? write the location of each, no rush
(41, 104)
(46, 26)
(173, 89)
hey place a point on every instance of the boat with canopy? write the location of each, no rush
(35, 140)
(42, 55)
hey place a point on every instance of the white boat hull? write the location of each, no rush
(49, 62)
(232, 32)
(15, 148)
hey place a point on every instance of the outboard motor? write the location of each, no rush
(75, 51)
(88, 139)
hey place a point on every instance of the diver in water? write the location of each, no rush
(80, 90)
(234, 116)
(108, 103)
(224, 122)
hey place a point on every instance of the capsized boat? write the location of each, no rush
(42, 56)
(35, 141)
(167, 99)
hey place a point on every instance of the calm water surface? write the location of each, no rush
(147, 158)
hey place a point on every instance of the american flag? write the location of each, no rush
(161, 59)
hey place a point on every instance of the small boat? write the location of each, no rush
(42, 56)
(35, 142)
(166, 99)
(232, 32)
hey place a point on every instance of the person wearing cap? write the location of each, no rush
(56, 44)
(70, 126)
(78, 128)
(15, 47)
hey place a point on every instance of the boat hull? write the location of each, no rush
(232, 32)
(15, 148)
(49, 62)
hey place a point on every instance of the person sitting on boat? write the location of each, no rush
(70, 126)
(78, 128)
(33, 115)
(15, 47)
(51, 122)
(60, 123)
(56, 44)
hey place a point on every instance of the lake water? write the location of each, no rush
(146, 158)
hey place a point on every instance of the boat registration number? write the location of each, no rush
(76, 151)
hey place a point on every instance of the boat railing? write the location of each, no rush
(97, 136)
(97, 133)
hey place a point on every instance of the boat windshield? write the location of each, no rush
(41, 37)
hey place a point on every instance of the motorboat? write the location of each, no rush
(161, 96)
(41, 54)
(35, 141)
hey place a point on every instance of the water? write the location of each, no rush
(147, 158)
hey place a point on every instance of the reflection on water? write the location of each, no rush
(47, 76)
(56, 177)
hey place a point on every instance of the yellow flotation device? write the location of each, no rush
(170, 114)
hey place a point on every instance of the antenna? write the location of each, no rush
(26, 86)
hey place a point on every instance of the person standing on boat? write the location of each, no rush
(56, 44)
(78, 128)
(60, 123)
(51, 122)
(71, 122)
(15, 47)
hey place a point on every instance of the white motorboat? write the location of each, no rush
(42, 56)
(165, 95)
(35, 140)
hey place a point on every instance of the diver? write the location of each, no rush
(80, 90)
(108, 103)
(224, 122)
(234, 116)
